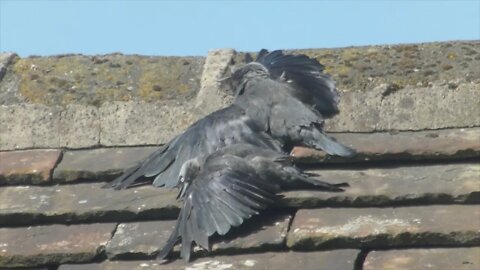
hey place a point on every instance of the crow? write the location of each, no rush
(280, 101)
(223, 189)
(224, 127)
(289, 96)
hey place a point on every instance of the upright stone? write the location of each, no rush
(210, 98)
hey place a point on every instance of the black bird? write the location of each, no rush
(289, 96)
(281, 101)
(223, 189)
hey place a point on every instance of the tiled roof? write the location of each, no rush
(399, 198)
(413, 200)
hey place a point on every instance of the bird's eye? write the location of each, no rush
(182, 179)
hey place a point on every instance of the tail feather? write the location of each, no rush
(321, 141)
(127, 179)
(298, 178)
(161, 159)
(319, 184)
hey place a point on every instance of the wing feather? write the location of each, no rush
(225, 127)
(228, 126)
(218, 199)
(310, 84)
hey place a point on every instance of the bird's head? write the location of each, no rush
(189, 171)
(242, 74)
(249, 71)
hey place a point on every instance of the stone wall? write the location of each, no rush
(77, 101)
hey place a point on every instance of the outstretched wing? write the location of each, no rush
(225, 194)
(310, 84)
(277, 168)
(221, 128)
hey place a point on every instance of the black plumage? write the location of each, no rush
(225, 188)
(281, 101)
(231, 164)
(224, 127)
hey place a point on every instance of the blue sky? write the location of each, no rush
(194, 27)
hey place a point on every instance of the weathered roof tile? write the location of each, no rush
(53, 244)
(434, 226)
(142, 240)
(23, 205)
(433, 259)
(98, 164)
(444, 184)
(29, 166)
(387, 186)
(326, 260)
(404, 145)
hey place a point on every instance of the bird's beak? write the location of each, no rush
(183, 190)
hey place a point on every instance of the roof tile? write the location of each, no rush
(142, 240)
(29, 166)
(53, 244)
(433, 259)
(405, 145)
(326, 260)
(98, 164)
(434, 226)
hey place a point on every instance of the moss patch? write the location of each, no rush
(61, 80)
(363, 68)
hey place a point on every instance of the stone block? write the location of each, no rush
(413, 108)
(39, 126)
(141, 123)
(210, 97)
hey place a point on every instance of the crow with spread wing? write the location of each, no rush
(281, 101)
(290, 96)
(221, 190)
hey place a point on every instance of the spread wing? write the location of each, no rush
(277, 167)
(221, 128)
(310, 84)
(225, 194)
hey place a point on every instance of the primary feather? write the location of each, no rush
(227, 187)
(281, 101)
(224, 127)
